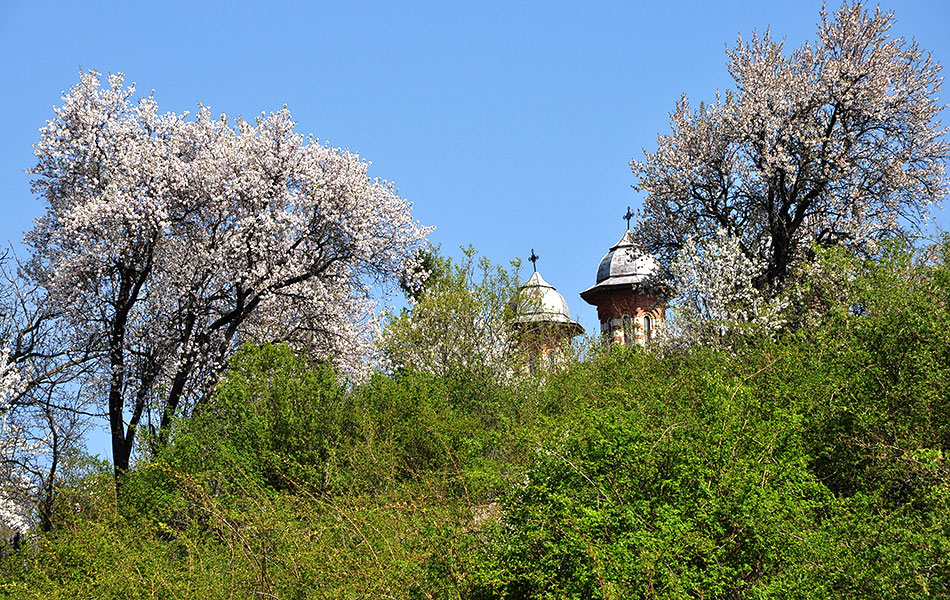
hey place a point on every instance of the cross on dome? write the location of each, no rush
(628, 216)
(534, 260)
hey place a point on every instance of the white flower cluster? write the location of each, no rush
(15, 488)
(10, 380)
(718, 297)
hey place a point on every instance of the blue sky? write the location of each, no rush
(509, 125)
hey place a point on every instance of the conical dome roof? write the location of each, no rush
(539, 298)
(540, 302)
(625, 263)
(624, 266)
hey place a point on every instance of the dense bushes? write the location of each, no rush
(720, 482)
(807, 466)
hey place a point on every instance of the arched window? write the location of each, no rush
(647, 328)
(629, 331)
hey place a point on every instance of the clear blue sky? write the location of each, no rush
(508, 124)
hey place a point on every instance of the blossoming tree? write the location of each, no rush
(42, 401)
(717, 295)
(169, 240)
(837, 142)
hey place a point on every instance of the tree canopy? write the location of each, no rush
(837, 142)
(169, 240)
(460, 320)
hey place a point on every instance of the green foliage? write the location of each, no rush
(85, 488)
(460, 321)
(280, 413)
(287, 485)
(273, 425)
(812, 467)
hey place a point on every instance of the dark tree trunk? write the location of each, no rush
(121, 451)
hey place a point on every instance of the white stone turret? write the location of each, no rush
(544, 323)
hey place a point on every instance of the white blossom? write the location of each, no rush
(170, 239)
(10, 380)
(16, 489)
(717, 294)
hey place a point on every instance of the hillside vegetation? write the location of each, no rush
(811, 463)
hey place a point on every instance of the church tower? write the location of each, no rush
(543, 322)
(631, 308)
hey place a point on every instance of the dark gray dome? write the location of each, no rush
(626, 263)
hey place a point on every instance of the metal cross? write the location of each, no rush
(628, 216)
(534, 260)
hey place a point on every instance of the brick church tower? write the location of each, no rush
(631, 308)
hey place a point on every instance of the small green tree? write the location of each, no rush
(459, 322)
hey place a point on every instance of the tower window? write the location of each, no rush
(647, 328)
(629, 331)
